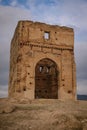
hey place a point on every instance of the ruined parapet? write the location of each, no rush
(41, 53)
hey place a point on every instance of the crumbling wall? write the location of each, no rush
(34, 41)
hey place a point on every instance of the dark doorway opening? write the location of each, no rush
(46, 79)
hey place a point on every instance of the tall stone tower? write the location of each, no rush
(42, 62)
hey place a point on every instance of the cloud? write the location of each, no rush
(14, 3)
(81, 65)
(82, 87)
(18, 3)
(9, 18)
(76, 11)
(64, 12)
(3, 91)
(61, 12)
(81, 55)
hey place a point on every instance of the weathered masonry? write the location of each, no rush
(42, 62)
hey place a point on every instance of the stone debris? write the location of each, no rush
(7, 108)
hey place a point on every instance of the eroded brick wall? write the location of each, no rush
(33, 42)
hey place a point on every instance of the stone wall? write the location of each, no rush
(33, 42)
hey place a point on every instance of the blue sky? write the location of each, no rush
(72, 13)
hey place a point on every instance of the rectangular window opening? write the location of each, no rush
(46, 35)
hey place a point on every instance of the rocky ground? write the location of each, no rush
(42, 114)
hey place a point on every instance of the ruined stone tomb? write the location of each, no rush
(42, 63)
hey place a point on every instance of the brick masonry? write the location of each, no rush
(42, 63)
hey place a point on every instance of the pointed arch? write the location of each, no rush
(46, 79)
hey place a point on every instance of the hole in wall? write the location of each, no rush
(46, 35)
(24, 89)
(44, 79)
(18, 80)
(40, 68)
(18, 90)
(69, 91)
(45, 91)
(30, 82)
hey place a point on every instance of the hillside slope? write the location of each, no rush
(42, 114)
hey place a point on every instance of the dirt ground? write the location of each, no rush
(42, 114)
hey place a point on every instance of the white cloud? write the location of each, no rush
(82, 87)
(17, 4)
(3, 91)
(73, 13)
(65, 12)
(9, 18)
(14, 3)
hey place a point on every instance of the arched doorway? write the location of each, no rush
(46, 79)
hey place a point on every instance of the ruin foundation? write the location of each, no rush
(42, 63)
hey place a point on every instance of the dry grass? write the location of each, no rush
(45, 115)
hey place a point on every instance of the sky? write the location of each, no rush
(71, 13)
